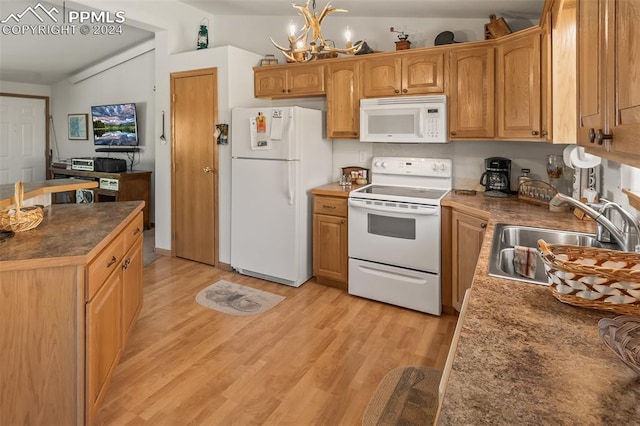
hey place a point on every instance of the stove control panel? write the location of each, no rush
(440, 167)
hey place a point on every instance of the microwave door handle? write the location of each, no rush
(424, 211)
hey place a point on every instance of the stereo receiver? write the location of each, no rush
(86, 164)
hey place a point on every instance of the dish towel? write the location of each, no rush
(525, 260)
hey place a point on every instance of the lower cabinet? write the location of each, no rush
(467, 233)
(111, 312)
(104, 340)
(330, 244)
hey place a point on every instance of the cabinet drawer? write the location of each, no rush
(330, 205)
(103, 265)
(133, 231)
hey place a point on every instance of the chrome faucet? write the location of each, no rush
(628, 238)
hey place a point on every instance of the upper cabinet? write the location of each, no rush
(608, 82)
(471, 93)
(518, 107)
(289, 81)
(415, 73)
(343, 99)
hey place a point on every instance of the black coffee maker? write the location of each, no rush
(497, 177)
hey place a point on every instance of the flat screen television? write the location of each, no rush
(115, 125)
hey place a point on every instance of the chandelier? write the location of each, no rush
(309, 44)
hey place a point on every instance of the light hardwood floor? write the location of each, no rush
(316, 358)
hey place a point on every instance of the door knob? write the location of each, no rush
(207, 169)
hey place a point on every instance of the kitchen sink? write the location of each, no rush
(506, 237)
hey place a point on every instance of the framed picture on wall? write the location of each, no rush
(78, 126)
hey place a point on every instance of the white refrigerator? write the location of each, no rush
(277, 156)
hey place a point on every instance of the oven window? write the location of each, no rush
(395, 227)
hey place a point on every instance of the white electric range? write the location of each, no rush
(394, 232)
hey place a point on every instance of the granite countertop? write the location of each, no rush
(68, 234)
(335, 190)
(524, 357)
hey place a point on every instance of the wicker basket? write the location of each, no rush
(18, 218)
(622, 336)
(594, 278)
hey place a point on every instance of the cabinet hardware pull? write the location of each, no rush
(342, 222)
(544, 133)
(396, 91)
(483, 225)
(112, 261)
(404, 90)
(137, 231)
(453, 133)
(592, 135)
(126, 263)
(326, 206)
(600, 137)
(207, 169)
(534, 132)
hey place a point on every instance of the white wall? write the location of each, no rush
(235, 88)
(131, 81)
(25, 89)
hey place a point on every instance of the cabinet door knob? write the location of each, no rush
(544, 133)
(112, 261)
(592, 135)
(396, 91)
(342, 221)
(483, 225)
(404, 90)
(453, 133)
(600, 137)
(534, 132)
(207, 169)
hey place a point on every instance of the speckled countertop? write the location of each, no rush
(523, 357)
(68, 234)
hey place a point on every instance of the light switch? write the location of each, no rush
(363, 156)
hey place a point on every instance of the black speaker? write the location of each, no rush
(109, 165)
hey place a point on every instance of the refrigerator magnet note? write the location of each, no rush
(261, 123)
(258, 140)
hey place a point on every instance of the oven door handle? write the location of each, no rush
(423, 210)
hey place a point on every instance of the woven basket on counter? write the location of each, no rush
(17, 218)
(622, 336)
(594, 278)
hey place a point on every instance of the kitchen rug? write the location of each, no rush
(236, 299)
(405, 396)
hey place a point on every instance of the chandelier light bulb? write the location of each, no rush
(292, 28)
(347, 34)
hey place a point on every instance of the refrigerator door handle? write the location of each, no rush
(289, 183)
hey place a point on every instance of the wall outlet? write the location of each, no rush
(363, 156)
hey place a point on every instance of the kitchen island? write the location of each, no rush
(70, 292)
(523, 357)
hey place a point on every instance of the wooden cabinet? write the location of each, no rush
(471, 93)
(608, 83)
(69, 313)
(132, 266)
(104, 340)
(343, 99)
(518, 102)
(289, 81)
(467, 233)
(330, 244)
(112, 309)
(131, 186)
(404, 74)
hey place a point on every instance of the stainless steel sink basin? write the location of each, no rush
(506, 237)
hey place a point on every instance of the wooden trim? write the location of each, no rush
(47, 146)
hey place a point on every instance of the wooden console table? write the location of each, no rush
(132, 186)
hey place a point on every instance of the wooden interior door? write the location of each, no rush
(194, 165)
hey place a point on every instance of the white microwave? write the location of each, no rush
(410, 119)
